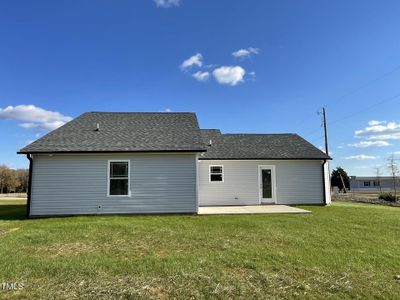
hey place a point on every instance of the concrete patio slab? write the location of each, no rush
(256, 209)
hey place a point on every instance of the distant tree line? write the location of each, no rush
(13, 181)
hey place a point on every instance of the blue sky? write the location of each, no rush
(251, 67)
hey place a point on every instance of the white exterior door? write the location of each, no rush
(267, 184)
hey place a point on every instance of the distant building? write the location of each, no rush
(373, 183)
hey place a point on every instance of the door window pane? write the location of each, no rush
(266, 184)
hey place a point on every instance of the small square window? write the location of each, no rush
(216, 177)
(216, 169)
(367, 183)
(216, 174)
(118, 186)
(119, 169)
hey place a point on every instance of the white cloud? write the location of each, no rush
(195, 60)
(396, 152)
(380, 130)
(43, 125)
(392, 136)
(231, 75)
(366, 144)
(201, 76)
(243, 53)
(340, 147)
(167, 110)
(167, 3)
(361, 157)
(34, 117)
(374, 122)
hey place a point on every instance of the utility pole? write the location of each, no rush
(344, 186)
(325, 131)
(394, 170)
(378, 178)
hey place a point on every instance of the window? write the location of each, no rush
(377, 183)
(216, 174)
(118, 178)
(367, 183)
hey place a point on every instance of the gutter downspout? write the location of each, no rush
(28, 204)
(323, 180)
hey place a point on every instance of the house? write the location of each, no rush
(133, 163)
(373, 183)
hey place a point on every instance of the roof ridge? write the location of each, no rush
(210, 129)
(259, 134)
(136, 112)
(124, 131)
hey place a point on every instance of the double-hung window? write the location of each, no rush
(216, 173)
(118, 178)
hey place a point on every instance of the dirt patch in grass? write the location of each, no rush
(7, 230)
(69, 249)
(156, 291)
(283, 284)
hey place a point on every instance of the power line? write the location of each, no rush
(358, 112)
(365, 109)
(317, 139)
(354, 91)
(304, 119)
(369, 83)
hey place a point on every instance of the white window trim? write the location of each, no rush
(273, 177)
(129, 177)
(209, 173)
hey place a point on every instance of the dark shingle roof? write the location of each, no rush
(123, 132)
(258, 146)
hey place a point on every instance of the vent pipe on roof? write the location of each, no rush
(97, 127)
(210, 143)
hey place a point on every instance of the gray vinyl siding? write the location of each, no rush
(297, 182)
(77, 184)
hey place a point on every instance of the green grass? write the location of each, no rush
(347, 250)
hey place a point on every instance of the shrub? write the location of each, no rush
(387, 197)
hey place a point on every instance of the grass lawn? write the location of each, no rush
(347, 250)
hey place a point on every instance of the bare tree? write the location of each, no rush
(12, 180)
(3, 170)
(23, 176)
(378, 177)
(9, 179)
(394, 171)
